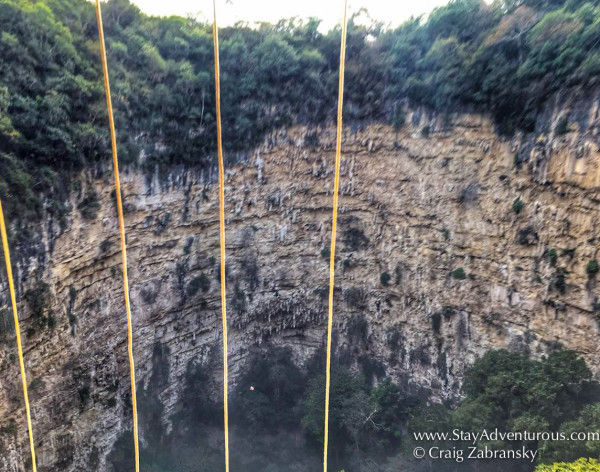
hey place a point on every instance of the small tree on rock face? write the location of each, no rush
(39, 299)
(551, 256)
(592, 268)
(517, 205)
(459, 274)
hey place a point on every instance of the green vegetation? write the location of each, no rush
(507, 58)
(201, 282)
(592, 268)
(551, 390)
(385, 279)
(10, 429)
(36, 384)
(551, 256)
(558, 281)
(362, 418)
(105, 246)
(459, 274)
(356, 297)
(6, 323)
(517, 205)
(277, 409)
(562, 127)
(512, 393)
(354, 238)
(39, 299)
(587, 420)
(581, 465)
(269, 392)
(89, 206)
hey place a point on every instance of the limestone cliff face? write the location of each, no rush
(435, 267)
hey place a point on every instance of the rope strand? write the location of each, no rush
(336, 189)
(13, 301)
(221, 234)
(113, 137)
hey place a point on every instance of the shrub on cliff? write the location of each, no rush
(89, 206)
(592, 268)
(459, 274)
(517, 205)
(6, 323)
(551, 256)
(201, 282)
(38, 298)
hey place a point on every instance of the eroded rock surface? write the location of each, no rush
(436, 265)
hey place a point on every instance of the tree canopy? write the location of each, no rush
(510, 392)
(277, 410)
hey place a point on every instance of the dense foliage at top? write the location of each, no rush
(506, 58)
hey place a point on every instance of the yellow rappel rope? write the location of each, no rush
(336, 189)
(113, 137)
(221, 234)
(13, 301)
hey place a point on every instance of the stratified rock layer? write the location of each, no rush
(432, 254)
